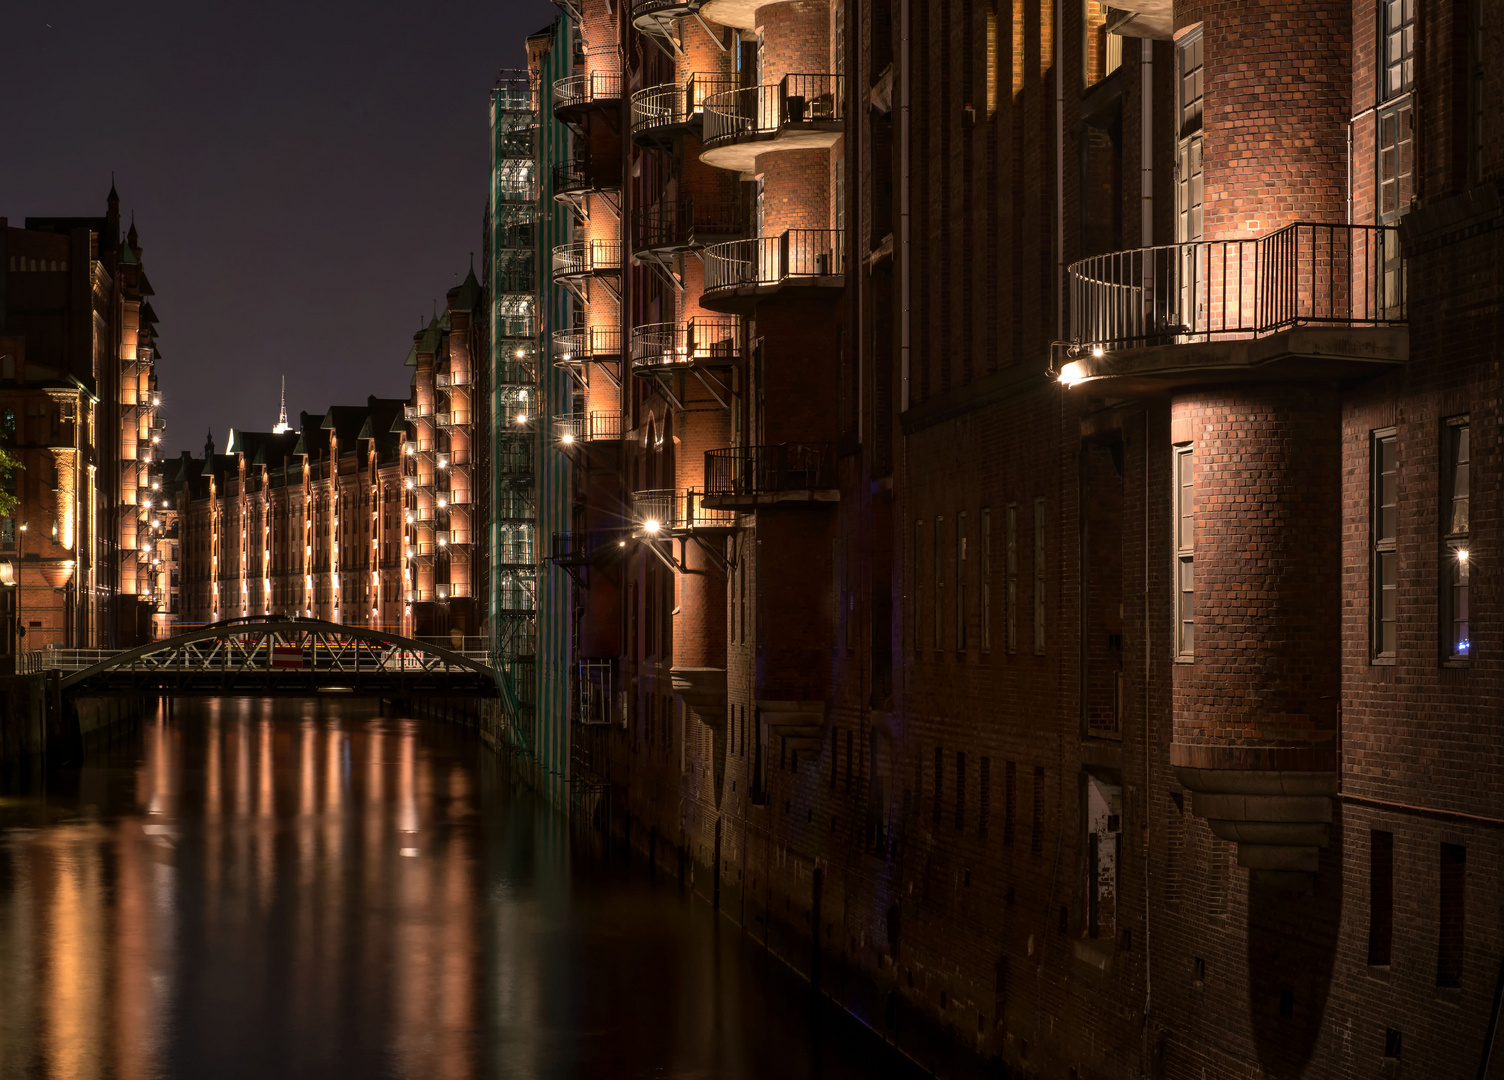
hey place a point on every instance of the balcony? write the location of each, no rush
(660, 347)
(800, 261)
(589, 427)
(660, 512)
(452, 419)
(746, 477)
(670, 228)
(598, 344)
(577, 95)
(660, 114)
(577, 176)
(802, 112)
(1310, 301)
(581, 548)
(587, 258)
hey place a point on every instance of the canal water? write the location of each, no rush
(301, 888)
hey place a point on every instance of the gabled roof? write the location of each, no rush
(468, 296)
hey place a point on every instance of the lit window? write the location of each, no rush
(1456, 556)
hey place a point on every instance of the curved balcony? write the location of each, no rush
(578, 95)
(578, 176)
(659, 16)
(660, 512)
(802, 112)
(598, 344)
(598, 426)
(673, 227)
(741, 14)
(798, 262)
(745, 477)
(662, 113)
(1311, 301)
(587, 258)
(661, 347)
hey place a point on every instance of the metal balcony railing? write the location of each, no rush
(586, 257)
(409, 412)
(773, 260)
(1303, 274)
(574, 548)
(583, 346)
(660, 510)
(590, 427)
(577, 174)
(453, 419)
(513, 549)
(687, 223)
(765, 470)
(762, 111)
(668, 105)
(699, 340)
(511, 324)
(595, 87)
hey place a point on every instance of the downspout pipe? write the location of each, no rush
(903, 199)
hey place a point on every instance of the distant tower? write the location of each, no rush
(282, 424)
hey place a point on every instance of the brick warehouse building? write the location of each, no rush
(80, 410)
(1040, 608)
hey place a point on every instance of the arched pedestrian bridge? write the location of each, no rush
(276, 655)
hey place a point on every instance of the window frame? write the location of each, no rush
(1184, 456)
(984, 579)
(961, 568)
(1381, 547)
(1453, 568)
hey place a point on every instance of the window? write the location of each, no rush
(1039, 577)
(1399, 47)
(1455, 563)
(939, 583)
(1450, 937)
(960, 790)
(1101, 52)
(1185, 538)
(918, 580)
(1380, 897)
(1396, 161)
(984, 582)
(1010, 800)
(1036, 839)
(984, 795)
(1104, 838)
(960, 582)
(939, 783)
(1010, 558)
(1188, 166)
(7, 533)
(1383, 526)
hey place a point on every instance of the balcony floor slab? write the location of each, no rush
(1300, 354)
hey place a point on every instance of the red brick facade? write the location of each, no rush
(963, 719)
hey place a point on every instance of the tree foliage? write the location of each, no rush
(8, 467)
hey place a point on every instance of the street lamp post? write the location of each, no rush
(20, 591)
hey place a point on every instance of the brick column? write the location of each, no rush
(1255, 711)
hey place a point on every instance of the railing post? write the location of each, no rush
(783, 255)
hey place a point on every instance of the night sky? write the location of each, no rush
(307, 178)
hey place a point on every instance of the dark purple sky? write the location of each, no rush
(307, 178)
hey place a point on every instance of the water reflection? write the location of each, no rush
(296, 888)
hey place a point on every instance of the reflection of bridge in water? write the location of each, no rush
(276, 655)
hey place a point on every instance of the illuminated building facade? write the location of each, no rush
(309, 522)
(80, 408)
(1026, 551)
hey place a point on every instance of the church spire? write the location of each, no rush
(282, 424)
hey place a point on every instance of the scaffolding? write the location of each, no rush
(515, 395)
